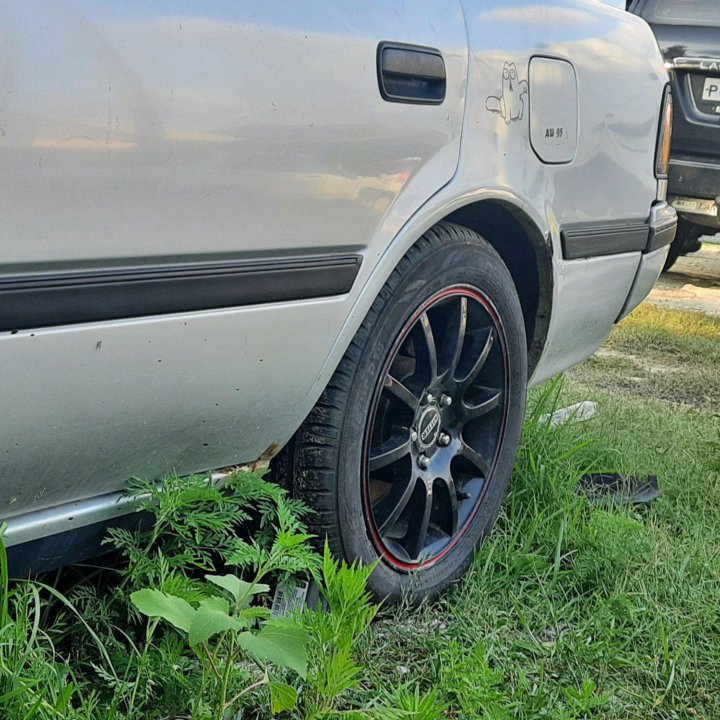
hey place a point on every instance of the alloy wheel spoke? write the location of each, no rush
(453, 497)
(479, 409)
(430, 345)
(459, 336)
(389, 509)
(480, 362)
(401, 392)
(389, 452)
(420, 527)
(474, 458)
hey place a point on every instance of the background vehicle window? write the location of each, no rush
(683, 12)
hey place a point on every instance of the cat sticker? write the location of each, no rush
(510, 106)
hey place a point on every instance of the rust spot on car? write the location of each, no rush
(270, 452)
(261, 463)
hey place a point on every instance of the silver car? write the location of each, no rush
(351, 233)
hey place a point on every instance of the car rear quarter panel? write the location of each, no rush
(620, 81)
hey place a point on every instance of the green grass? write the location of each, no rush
(571, 610)
(659, 354)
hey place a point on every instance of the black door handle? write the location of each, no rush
(411, 74)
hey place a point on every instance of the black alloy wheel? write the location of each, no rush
(407, 454)
(437, 422)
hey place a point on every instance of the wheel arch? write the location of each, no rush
(518, 238)
(526, 252)
(518, 232)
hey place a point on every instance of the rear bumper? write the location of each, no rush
(602, 284)
(662, 225)
(649, 269)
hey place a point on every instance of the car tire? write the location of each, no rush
(687, 240)
(407, 455)
(673, 254)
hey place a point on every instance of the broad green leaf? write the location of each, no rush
(237, 587)
(212, 617)
(282, 696)
(256, 612)
(154, 603)
(281, 641)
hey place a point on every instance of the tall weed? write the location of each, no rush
(182, 628)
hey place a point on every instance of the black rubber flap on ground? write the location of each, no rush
(620, 489)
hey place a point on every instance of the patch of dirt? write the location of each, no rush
(639, 362)
(623, 372)
(692, 284)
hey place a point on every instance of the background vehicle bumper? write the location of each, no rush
(693, 189)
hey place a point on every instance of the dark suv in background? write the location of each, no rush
(688, 32)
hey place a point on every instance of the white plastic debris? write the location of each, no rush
(290, 597)
(572, 413)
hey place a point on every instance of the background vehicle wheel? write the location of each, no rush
(673, 254)
(407, 455)
(687, 240)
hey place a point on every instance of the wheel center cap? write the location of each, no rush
(428, 428)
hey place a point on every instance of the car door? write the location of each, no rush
(157, 159)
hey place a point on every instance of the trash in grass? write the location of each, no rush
(576, 413)
(617, 489)
(292, 596)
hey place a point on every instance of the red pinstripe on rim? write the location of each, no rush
(387, 555)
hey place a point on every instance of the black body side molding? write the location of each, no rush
(43, 300)
(583, 240)
(586, 240)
